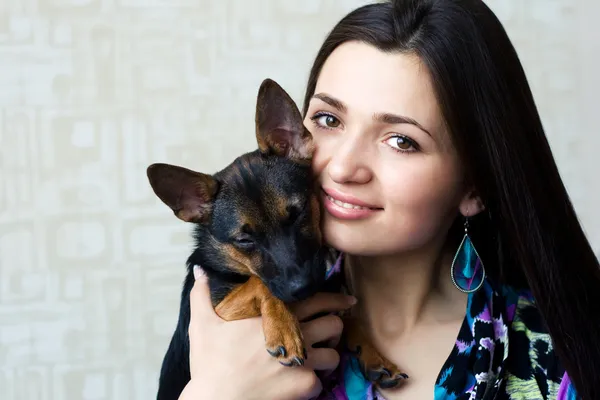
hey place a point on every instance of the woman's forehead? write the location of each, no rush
(369, 81)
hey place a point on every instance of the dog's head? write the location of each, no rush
(260, 215)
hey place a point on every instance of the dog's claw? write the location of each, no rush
(383, 378)
(280, 351)
(389, 383)
(298, 361)
(373, 375)
(283, 337)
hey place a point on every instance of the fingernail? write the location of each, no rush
(198, 272)
(352, 300)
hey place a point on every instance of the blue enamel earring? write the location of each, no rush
(467, 269)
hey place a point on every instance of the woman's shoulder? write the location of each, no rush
(533, 369)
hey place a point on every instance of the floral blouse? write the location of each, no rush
(502, 352)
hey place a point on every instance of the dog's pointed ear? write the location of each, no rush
(279, 126)
(188, 193)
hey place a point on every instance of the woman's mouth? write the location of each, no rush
(343, 206)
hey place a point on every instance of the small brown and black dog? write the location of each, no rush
(258, 239)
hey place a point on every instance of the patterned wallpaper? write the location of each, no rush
(92, 91)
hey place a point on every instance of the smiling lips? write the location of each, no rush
(346, 207)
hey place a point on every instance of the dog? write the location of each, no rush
(258, 240)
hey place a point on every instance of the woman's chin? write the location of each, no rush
(350, 240)
(371, 241)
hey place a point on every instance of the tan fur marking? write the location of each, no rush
(240, 262)
(315, 219)
(281, 207)
(280, 326)
(242, 302)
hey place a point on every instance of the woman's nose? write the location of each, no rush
(349, 163)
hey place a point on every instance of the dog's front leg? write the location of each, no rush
(280, 326)
(242, 302)
(282, 332)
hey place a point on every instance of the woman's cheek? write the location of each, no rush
(320, 155)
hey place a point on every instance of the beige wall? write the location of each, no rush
(92, 91)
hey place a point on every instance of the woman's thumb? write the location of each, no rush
(200, 301)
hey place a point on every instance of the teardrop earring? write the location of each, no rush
(467, 269)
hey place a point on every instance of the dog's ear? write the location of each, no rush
(190, 194)
(279, 126)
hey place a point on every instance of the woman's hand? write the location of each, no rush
(228, 360)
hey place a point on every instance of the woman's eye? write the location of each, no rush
(402, 143)
(326, 120)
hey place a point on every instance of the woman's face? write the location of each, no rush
(391, 180)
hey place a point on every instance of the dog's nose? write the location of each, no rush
(300, 288)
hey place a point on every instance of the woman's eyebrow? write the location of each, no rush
(332, 101)
(386, 118)
(392, 119)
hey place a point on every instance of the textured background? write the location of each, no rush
(92, 91)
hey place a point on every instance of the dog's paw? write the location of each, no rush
(287, 359)
(284, 341)
(377, 369)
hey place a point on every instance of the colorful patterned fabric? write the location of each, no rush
(502, 352)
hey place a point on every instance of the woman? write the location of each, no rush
(425, 128)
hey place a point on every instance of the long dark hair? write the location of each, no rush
(530, 236)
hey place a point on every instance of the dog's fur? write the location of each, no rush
(258, 239)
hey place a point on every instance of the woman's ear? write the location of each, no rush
(471, 204)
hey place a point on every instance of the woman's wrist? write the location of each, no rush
(196, 390)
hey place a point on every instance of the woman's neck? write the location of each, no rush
(397, 293)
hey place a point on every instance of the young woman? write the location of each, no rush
(425, 128)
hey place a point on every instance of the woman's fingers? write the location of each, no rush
(322, 359)
(200, 303)
(322, 302)
(324, 329)
(201, 311)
